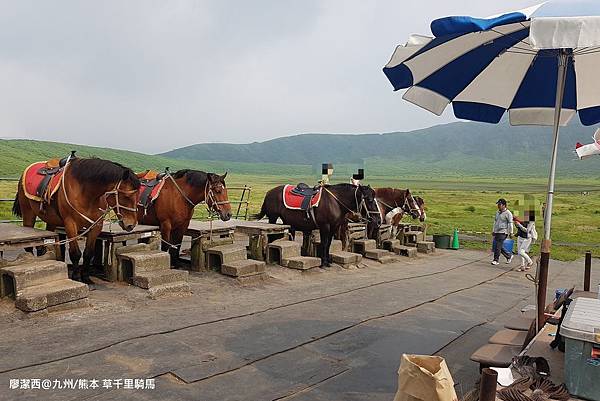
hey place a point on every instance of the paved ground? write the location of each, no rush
(335, 335)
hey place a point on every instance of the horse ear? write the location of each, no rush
(223, 176)
(407, 191)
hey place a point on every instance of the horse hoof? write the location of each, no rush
(87, 280)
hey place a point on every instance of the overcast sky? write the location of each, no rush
(156, 75)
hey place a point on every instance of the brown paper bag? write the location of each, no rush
(424, 378)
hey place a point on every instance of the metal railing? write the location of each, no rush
(241, 206)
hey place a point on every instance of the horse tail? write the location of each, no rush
(260, 214)
(16, 209)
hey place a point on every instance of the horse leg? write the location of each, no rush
(74, 251)
(329, 257)
(88, 253)
(28, 217)
(325, 233)
(176, 239)
(165, 233)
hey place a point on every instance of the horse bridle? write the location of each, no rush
(409, 209)
(363, 205)
(118, 206)
(212, 204)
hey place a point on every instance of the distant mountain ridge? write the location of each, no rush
(448, 146)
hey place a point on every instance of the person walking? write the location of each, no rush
(526, 234)
(503, 228)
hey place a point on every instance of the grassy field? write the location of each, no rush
(464, 203)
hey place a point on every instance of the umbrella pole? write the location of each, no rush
(563, 59)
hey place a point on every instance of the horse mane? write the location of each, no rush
(102, 172)
(196, 178)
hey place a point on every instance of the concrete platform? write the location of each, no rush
(224, 254)
(279, 250)
(333, 335)
(407, 251)
(302, 262)
(363, 245)
(346, 258)
(242, 268)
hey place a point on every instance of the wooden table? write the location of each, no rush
(14, 237)
(261, 234)
(206, 234)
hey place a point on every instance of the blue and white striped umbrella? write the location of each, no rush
(486, 66)
(541, 64)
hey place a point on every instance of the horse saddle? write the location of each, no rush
(307, 193)
(151, 184)
(50, 169)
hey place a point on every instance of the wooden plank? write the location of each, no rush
(15, 233)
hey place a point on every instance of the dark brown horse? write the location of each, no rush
(174, 207)
(88, 190)
(336, 201)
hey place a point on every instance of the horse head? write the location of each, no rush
(421, 204)
(119, 187)
(410, 205)
(367, 195)
(217, 199)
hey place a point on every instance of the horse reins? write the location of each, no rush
(359, 207)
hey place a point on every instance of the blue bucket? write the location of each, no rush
(508, 244)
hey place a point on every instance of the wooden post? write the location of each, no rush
(588, 271)
(542, 284)
(487, 391)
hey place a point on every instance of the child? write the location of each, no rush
(526, 234)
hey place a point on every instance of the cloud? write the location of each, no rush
(153, 75)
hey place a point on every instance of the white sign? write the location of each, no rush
(49, 241)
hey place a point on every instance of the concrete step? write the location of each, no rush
(346, 258)
(253, 279)
(425, 247)
(407, 251)
(51, 294)
(176, 288)
(336, 245)
(282, 249)
(159, 277)
(363, 245)
(145, 261)
(388, 259)
(302, 262)
(240, 268)
(32, 274)
(379, 255)
(225, 254)
(389, 244)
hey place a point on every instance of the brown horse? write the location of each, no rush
(394, 203)
(88, 190)
(336, 201)
(173, 209)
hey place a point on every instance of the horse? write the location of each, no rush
(88, 189)
(336, 201)
(394, 203)
(173, 208)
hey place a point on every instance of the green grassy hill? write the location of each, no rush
(466, 148)
(18, 154)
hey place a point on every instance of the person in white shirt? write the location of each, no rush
(526, 235)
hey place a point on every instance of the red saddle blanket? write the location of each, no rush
(293, 201)
(32, 179)
(149, 195)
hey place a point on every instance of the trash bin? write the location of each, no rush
(581, 330)
(442, 241)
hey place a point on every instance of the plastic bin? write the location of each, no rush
(508, 244)
(442, 241)
(581, 329)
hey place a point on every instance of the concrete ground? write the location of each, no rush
(326, 335)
